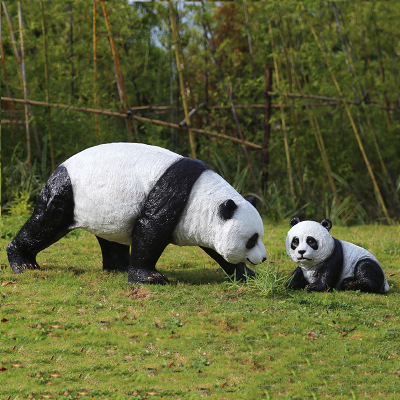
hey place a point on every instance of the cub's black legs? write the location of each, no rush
(50, 221)
(297, 280)
(115, 255)
(241, 271)
(368, 277)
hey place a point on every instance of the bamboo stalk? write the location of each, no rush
(118, 73)
(13, 40)
(285, 138)
(3, 65)
(236, 119)
(353, 125)
(314, 125)
(46, 74)
(267, 126)
(180, 74)
(23, 74)
(96, 116)
(130, 115)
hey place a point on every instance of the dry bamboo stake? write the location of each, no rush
(267, 127)
(285, 139)
(117, 70)
(353, 125)
(180, 74)
(23, 73)
(46, 73)
(130, 115)
(96, 116)
(3, 65)
(314, 125)
(13, 40)
(236, 119)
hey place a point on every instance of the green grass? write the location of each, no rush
(73, 331)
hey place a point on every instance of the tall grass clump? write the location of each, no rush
(269, 281)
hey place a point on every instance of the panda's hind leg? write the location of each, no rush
(368, 277)
(52, 218)
(115, 255)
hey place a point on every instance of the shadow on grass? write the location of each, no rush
(196, 277)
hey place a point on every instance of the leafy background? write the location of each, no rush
(224, 44)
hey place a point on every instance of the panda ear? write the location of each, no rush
(327, 223)
(252, 200)
(227, 209)
(294, 221)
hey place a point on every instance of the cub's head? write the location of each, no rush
(309, 243)
(240, 235)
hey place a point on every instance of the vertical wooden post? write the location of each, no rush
(23, 74)
(96, 117)
(353, 125)
(46, 73)
(13, 40)
(3, 65)
(180, 74)
(285, 138)
(267, 131)
(241, 137)
(118, 74)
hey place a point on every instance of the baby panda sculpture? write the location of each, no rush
(325, 263)
(145, 197)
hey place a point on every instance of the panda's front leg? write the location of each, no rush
(297, 280)
(148, 243)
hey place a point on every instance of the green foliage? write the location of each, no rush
(71, 330)
(20, 205)
(360, 40)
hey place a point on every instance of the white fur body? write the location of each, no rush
(111, 182)
(313, 259)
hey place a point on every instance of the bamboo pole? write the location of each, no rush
(23, 74)
(240, 133)
(285, 138)
(13, 40)
(314, 125)
(130, 115)
(96, 116)
(353, 125)
(118, 73)
(46, 74)
(3, 65)
(180, 74)
(267, 126)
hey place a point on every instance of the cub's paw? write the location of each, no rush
(348, 284)
(315, 287)
(140, 276)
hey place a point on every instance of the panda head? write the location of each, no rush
(239, 238)
(309, 243)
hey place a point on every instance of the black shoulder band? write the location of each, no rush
(162, 209)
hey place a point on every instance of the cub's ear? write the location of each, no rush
(227, 209)
(252, 200)
(294, 221)
(327, 223)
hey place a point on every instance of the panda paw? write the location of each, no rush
(242, 273)
(315, 287)
(19, 262)
(348, 284)
(141, 276)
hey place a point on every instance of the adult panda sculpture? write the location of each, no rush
(145, 197)
(325, 263)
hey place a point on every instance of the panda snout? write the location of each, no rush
(301, 252)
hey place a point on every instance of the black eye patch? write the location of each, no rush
(295, 243)
(312, 242)
(252, 241)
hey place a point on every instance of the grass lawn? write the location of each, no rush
(73, 331)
